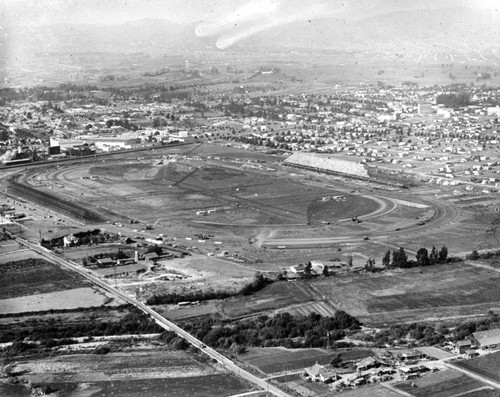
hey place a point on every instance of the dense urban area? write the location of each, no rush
(213, 224)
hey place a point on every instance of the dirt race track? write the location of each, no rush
(264, 217)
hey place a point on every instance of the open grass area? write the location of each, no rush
(445, 383)
(487, 366)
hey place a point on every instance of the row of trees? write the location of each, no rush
(399, 258)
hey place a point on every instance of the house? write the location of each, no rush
(105, 262)
(412, 372)
(321, 373)
(151, 256)
(367, 363)
(462, 346)
(317, 267)
(471, 353)
(411, 355)
(489, 339)
(299, 269)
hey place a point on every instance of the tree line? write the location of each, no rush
(399, 258)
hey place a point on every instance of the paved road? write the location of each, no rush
(160, 320)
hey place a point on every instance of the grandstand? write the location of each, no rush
(331, 165)
(327, 164)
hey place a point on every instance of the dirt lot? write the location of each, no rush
(129, 373)
(487, 366)
(445, 383)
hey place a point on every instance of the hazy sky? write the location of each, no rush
(227, 21)
(119, 11)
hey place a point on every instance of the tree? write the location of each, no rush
(434, 256)
(308, 269)
(443, 254)
(399, 258)
(326, 272)
(336, 360)
(386, 260)
(473, 255)
(423, 257)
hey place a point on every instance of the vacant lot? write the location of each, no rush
(193, 273)
(275, 360)
(445, 383)
(487, 366)
(36, 276)
(414, 294)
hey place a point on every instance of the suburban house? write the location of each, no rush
(106, 262)
(299, 269)
(462, 346)
(489, 339)
(411, 355)
(321, 373)
(368, 363)
(151, 256)
(412, 372)
(317, 267)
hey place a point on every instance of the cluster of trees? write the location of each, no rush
(283, 329)
(475, 255)
(454, 100)
(258, 283)
(408, 333)
(399, 258)
(83, 238)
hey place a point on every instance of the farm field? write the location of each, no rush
(445, 383)
(279, 296)
(36, 276)
(414, 294)
(371, 391)
(75, 298)
(487, 366)
(275, 360)
(129, 373)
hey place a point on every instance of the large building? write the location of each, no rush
(484, 340)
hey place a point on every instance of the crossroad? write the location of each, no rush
(159, 319)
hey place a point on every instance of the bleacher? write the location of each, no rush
(328, 164)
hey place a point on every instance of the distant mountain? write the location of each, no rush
(146, 34)
(459, 28)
